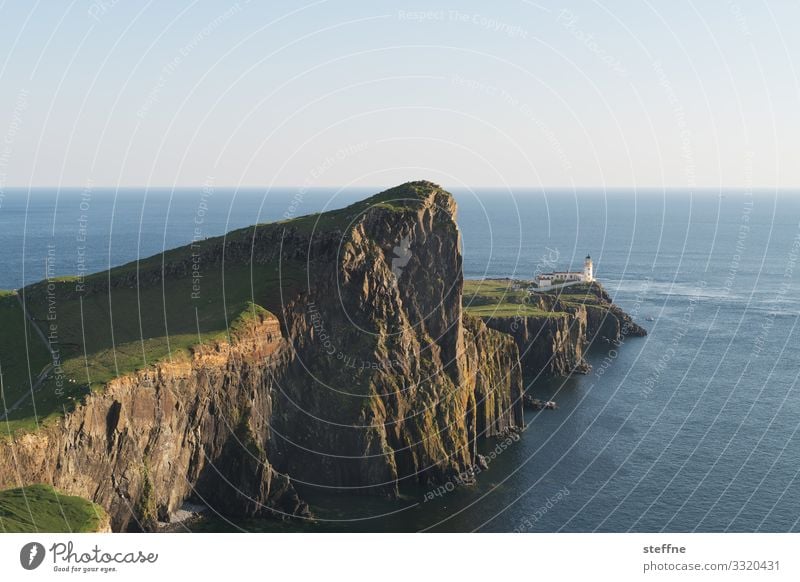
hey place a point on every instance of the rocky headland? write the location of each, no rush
(351, 363)
(552, 329)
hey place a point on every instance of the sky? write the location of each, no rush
(338, 92)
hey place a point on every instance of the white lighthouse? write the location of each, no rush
(563, 278)
(588, 273)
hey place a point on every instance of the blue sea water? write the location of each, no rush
(693, 428)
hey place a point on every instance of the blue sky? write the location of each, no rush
(583, 93)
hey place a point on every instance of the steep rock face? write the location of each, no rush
(552, 344)
(384, 370)
(494, 364)
(369, 378)
(143, 445)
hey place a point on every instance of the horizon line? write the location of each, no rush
(384, 187)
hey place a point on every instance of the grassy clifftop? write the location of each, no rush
(122, 326)
(398, 199)
(23, 358)
(118, 321)
(508, 298)
(501, 298)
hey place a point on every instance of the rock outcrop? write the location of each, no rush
(386, 368)
(554, 343)
(368, 376)
(606, 320)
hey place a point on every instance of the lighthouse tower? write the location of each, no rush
(588, 273)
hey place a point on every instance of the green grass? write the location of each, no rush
(510, 310)
(132, 328)
(497, 298)
(41, 509)
(493, 291)
(588, 291)
(20, 363)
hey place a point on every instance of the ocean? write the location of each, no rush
(693, 428)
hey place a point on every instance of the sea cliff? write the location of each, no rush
(353, 367)
(150, 439)
(552, 329)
